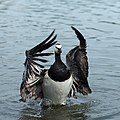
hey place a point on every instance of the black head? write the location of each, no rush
(58, 48)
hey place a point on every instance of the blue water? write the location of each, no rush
(24, 23)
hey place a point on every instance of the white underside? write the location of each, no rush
(56, 92)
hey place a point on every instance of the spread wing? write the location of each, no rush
(31, 86)
(77, 62)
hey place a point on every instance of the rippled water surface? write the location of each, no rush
(24, 23)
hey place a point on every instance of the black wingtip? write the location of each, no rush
(73, 27)
(77, 33)
(40, 47)
(80, 37)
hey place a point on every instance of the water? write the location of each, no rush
(24, 23)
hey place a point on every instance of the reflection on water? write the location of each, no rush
(69, 112)
(24, 23)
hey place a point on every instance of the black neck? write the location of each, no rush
(58, 71)
(57, 57)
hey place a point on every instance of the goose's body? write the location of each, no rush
(60, 81)
(56, 92)
(57, 81)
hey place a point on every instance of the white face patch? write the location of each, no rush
(59, 46)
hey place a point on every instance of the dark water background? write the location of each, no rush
(24, 23)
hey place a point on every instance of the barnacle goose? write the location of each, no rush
(60, 81)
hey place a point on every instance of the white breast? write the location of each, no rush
(56, 92)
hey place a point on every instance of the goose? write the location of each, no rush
(58, 82)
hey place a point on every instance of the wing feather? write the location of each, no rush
(31, 86)
(77, 62)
